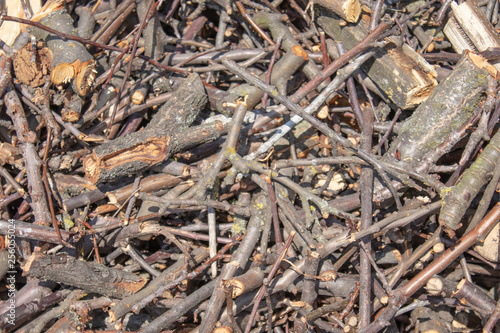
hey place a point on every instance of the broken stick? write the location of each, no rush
(166, 134)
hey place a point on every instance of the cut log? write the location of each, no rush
(348, 10)
(244, 283)
(402, 74)
(10, 30)
(469, 29)
(448, 108)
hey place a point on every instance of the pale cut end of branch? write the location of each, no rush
(238, 287)
(434, 286)
(348, 10)
(481, 62)
(352, 321)
(49, 7)
(10, 30)
(85, 77)
(83, 72)
(352, 9)
(137, 97)
(438, 248)
(224, 329)
(62, 74)
(299, 51)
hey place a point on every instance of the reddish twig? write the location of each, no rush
(270, 276)
(403, 293)
(254, 25)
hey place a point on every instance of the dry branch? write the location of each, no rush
(401, 73)
(130, 174)
(88, 276)
(348, 10)
(71, 62)
(458, 198)
(166, 134)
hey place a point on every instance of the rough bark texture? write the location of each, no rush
(402, 74)
(444, 112)
(89, 276)
(349, 10)
(154, 36)
(460, 196)
(166, 134)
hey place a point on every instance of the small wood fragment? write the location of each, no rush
(32, 73)
(469, 29)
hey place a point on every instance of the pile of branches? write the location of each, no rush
(249, 166)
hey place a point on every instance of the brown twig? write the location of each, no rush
(65, 36)
(270, 276)
(402, 293)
